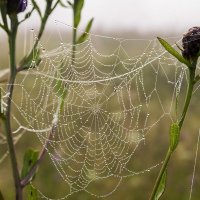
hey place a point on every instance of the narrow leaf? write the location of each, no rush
(174, 136)
(78, 5)
(161, 187)
(173, 52)
(30, 158)
(85, 35)
(32, 193)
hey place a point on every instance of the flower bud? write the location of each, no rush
(16, 6)
(191, 43)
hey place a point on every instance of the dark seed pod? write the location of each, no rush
(191, 43)
(16, 6)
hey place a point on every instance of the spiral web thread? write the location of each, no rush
(107, 111)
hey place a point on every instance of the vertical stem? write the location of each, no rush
(7, 121)
(185, 108)
(188, 95)
(4, 13)
(42, 27)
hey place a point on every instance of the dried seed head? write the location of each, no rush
(191, 43)
(16, 6)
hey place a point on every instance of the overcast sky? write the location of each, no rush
(140, 15)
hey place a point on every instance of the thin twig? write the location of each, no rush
(7, 121)
(28, 15)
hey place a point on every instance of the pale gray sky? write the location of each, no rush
(140, 15)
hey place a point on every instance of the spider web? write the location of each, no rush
(108, 111)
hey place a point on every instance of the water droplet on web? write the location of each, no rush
(170, 82)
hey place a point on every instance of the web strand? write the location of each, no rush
(108, 111)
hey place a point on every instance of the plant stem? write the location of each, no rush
(41, 30)
(7, 122)
(26, 180)
(188, 96)
(162, 170)
(48, 10)
(42, 27)
(180, 123)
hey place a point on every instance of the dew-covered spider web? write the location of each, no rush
(96, 105)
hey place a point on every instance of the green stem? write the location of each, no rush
(188, 96)
(162, 170)
(7, 122)
(185, 109)
(3, 5)
(44, 20)
(42, 27)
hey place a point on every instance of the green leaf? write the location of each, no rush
(31, 61)
(85, 35)
(30, 158)
(32, 193)
(161, 187)
(174, 136)
(78, 6)
(173, 52)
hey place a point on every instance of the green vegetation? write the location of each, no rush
(33, 166)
